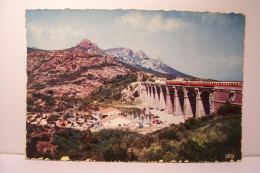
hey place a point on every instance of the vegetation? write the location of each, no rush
(131, 111)
(228, 108)
(111, 90)
(210, 138)
(106, 145)
(32, 105)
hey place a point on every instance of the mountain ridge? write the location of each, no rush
(140, 59)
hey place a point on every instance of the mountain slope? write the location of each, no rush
(141, 60)
(74, 72)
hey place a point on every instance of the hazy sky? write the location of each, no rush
(207, 45)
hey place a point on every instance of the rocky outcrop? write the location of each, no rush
(87, 44)
(132, 93)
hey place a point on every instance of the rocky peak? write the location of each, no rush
(159, 60)
(128, 50)
(85, 43)
(142, 54)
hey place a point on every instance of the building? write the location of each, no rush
(116, 121)
(110, 111)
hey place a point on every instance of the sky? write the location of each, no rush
(200, 44)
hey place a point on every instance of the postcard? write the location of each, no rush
(134, 85)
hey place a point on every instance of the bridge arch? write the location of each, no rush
(191, 108)
(205, 101)
(164, 92)
(158, 91)
(232, 96)
(153, 89)
(180, 102)
(172, 94)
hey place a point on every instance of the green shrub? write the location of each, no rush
(190, 151)
(168, 134)
(167, 147)
(228, 108)
(111, 90)
(180, 127)
(30, 101)
(68, 141)
(169, 156)
(144, 141)
(115, 153)
(155, 155)
(192, 124)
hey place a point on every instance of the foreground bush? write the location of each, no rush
(168, 134)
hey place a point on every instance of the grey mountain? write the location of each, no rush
(141, 60)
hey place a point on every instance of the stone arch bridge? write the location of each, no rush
(188, 101)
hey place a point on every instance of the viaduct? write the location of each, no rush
(188, 101)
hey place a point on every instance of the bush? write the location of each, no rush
(168, 134)
(228, 108)
(111, 90)
(181, 127)
(155, 155)
(192, 124)
(115, 153)
(144, 141)
(30, 101)
(190, 151)
(167, 147)
(68, 141)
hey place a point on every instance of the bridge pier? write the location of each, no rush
(190, 104)
(149, 98)
(162, 98)
(143, 93)
(152, 100)
(185, 104)
(156, 97)
(180, 102)
(198, 105)
(169, 105)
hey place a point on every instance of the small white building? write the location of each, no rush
(110, 111)
(114, 121)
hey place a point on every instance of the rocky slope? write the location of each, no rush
(141, 60)
(74, 72)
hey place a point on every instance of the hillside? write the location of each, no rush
(60, 79)
(75, 72)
